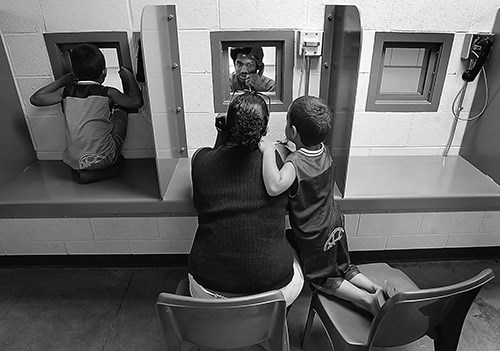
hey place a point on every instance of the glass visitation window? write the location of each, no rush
(408, 71)
(260, 61)
(114, 46)
(268, 60)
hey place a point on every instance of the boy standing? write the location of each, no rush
(317, 222)
(95, 115)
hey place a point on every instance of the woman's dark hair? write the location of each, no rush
(87, 62)
(312, 117)
(246, 120)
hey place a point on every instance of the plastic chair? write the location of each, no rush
(407, 316)
(223, 324)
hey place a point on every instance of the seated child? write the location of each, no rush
(95, 115)
(318, 227)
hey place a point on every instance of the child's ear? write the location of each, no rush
(294, 132)
(104, 73)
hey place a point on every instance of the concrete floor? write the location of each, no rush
(106, 309)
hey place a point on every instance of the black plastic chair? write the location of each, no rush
(407, 316)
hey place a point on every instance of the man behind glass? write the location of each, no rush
(249, 70)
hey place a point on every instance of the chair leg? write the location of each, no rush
(447, 335)
(447, 340)
(448, 332)
(279, 340)
(307, 329)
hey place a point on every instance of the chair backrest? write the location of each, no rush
(408, 316)
(224, 323)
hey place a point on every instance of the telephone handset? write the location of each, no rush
(480, 47)
(484, 47)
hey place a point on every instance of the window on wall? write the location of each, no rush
(265, 55)
(114, 46)
(408, 71)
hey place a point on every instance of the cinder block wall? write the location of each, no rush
(93, 236)
(174, 235)
(22, 24)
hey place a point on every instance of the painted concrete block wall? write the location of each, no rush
(93, 236)
(398, 231)
(22, 24)
(417, 133)
(174, 235)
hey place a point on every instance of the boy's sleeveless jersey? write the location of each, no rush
(312, 205)
(88, 127)
(317, 221)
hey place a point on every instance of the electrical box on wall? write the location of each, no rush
(311, 43)
(474, 44)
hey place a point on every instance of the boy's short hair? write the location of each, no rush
(87, 62)
(312, 117)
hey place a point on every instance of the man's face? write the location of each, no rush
(244, 65)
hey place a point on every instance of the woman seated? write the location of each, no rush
(240, 246)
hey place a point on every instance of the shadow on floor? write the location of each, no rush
(107, 309)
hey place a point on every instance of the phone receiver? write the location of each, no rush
(260, 69)
(470, 74)
(220, 122)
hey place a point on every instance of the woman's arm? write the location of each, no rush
(51, 93)
(276, 180)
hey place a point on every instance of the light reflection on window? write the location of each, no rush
(113, 66)
(403, 70)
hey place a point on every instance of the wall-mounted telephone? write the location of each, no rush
(476, 49)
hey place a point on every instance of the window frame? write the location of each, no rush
(438, 47)
(283, 41)
(59, 44)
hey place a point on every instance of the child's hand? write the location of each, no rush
(376, 287)
(263, 145)
(125, 74)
